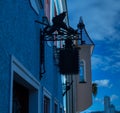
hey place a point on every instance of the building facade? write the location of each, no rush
(107, 104)
(108, 107)
(30, 79)
(80, 94)
(27, 83)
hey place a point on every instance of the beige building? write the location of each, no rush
(79, 97)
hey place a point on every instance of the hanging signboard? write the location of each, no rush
(69, 61)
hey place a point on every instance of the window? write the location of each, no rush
(20, 77)
(46, 104)
(40, 3)
(60, 110)
(47, 101)
(55, 108)
(82, 72)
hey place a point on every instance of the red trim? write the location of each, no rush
(47, 9)
(47, 1)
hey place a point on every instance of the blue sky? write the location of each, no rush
(102, 22)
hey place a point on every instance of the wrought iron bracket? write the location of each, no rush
(57, 32)
(60, 30)
(67, 87)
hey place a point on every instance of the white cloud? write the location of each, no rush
(99, 100)
(100, 16)
(106, 63)
(96, 61)
(115, 51)
(113, 97)
(103, 83)
(101, 62)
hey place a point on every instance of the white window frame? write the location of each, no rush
(36, 5)
(61, 107)
(29, 80)
(48, 95)
(58, 5)
(56, 102)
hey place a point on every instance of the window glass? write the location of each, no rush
(60, 110)
(46, 104)
(82, 71)
(55, 108)
(40, 3)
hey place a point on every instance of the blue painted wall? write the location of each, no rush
(51, 80)
(19, 36)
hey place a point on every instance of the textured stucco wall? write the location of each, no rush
(51, 80)
(19, 36)
(84, 90)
